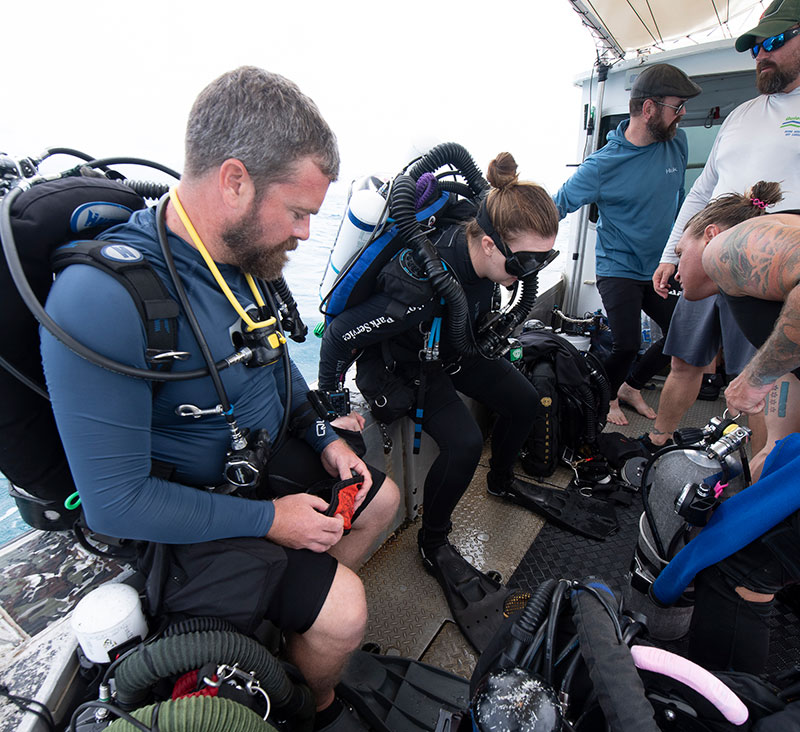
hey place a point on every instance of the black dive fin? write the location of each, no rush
(475, 600)
(565, 508)
(399, 694)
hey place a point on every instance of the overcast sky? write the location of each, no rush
(115, 78)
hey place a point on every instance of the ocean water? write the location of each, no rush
(303, 275)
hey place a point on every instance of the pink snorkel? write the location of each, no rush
(693, 676)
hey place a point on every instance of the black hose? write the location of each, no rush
(205, 350)
(616, 682)
(294, 323)
(454, 186)
(598, 375)
(68, 151)
(197, 625)
(496, 332)
(283, 430)
(147, 188)
(30, 383)
(444, 282)
(552, 624)
(451, 153)
(29, 297)
(100, 162)
(529, 620)
(182, 653)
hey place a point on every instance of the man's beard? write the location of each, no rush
(250, 255)
(661, 132)
(777, 78)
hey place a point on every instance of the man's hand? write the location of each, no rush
(661, 276)
(298, 523)
(340, 461)
(742, 396)
(353, 422)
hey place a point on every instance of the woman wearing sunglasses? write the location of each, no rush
(509, 238)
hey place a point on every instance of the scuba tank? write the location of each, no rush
(364, 211)
(681, 485)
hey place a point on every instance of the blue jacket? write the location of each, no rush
(638, 191)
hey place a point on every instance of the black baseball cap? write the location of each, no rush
(777, 18)
(664, 80)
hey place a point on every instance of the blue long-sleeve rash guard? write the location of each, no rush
(112, 425)
(638, 192)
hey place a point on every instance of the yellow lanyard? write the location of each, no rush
(212, 266)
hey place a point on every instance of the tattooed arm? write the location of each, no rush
(779, 355)
(761, 259)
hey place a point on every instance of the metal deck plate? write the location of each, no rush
(408, 613)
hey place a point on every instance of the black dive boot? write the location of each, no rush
(475, 600)
(566, 508)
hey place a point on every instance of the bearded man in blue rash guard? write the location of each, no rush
(636, 180)
(259, 159)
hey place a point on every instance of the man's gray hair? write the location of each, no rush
(261, 119)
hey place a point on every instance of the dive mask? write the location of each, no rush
(518, 264)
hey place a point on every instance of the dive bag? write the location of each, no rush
(48, 216)
(574, 395)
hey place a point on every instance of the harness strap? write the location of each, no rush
(158, 311)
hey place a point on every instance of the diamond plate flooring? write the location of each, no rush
(408, 613)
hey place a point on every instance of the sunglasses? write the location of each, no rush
(677, 109)
(773, 43)
(518, 264)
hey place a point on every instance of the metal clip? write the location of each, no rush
(246, 680)
(190, 410)
(160, 356)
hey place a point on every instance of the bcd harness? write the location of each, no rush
(158, 311)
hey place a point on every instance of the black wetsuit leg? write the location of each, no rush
(448, 421)
(503, 388)
(728, 632)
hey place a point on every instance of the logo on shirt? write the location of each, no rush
(791, 127)
(671, 170)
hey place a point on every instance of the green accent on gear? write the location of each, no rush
(319, 329)
(207, 713)
(72, 501)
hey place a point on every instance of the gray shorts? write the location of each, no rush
(700, 327)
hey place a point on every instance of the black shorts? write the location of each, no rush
(247, 579)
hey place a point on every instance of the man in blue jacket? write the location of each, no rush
(636, 180)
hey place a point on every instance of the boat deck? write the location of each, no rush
(46, 573)
(408, 615)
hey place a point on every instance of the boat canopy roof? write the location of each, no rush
(626, 28)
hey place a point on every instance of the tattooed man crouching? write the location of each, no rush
(754, 263)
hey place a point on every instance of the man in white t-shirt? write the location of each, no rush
(760, 140)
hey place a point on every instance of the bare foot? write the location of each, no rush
(615, 415)
(633, 397)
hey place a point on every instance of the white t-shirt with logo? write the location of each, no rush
(760, 140)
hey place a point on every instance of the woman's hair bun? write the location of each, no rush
(502, 171)
(767, 191)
